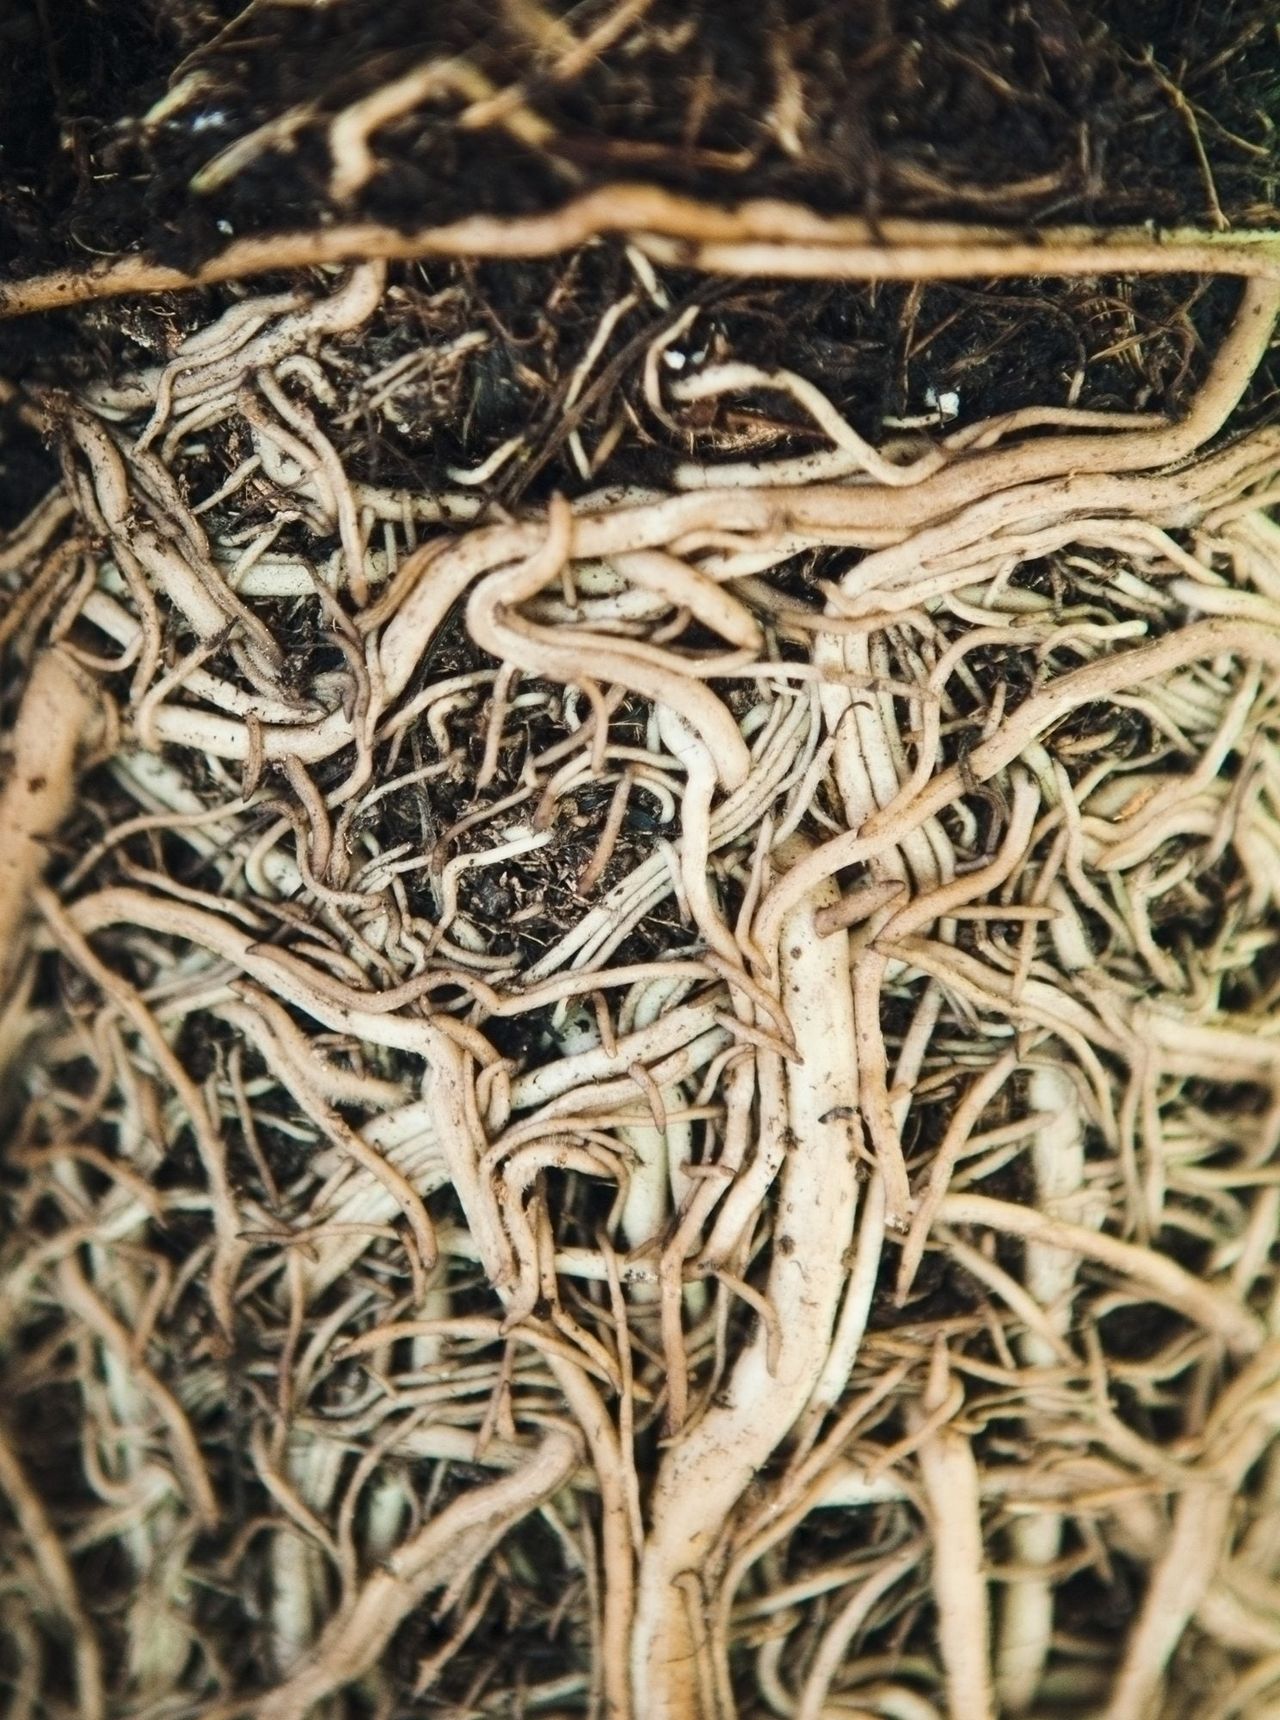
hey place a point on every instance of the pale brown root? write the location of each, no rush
(59, 1581)
(755, 238)
(58, 716)
(442, 1555)
(707, 1469)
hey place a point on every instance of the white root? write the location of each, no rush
(58, 716)
(707, 1470)
(952, 1498)
(1057, 1156)
(442, 1555)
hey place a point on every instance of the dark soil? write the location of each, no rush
(1104, 111)
(1041, 111)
